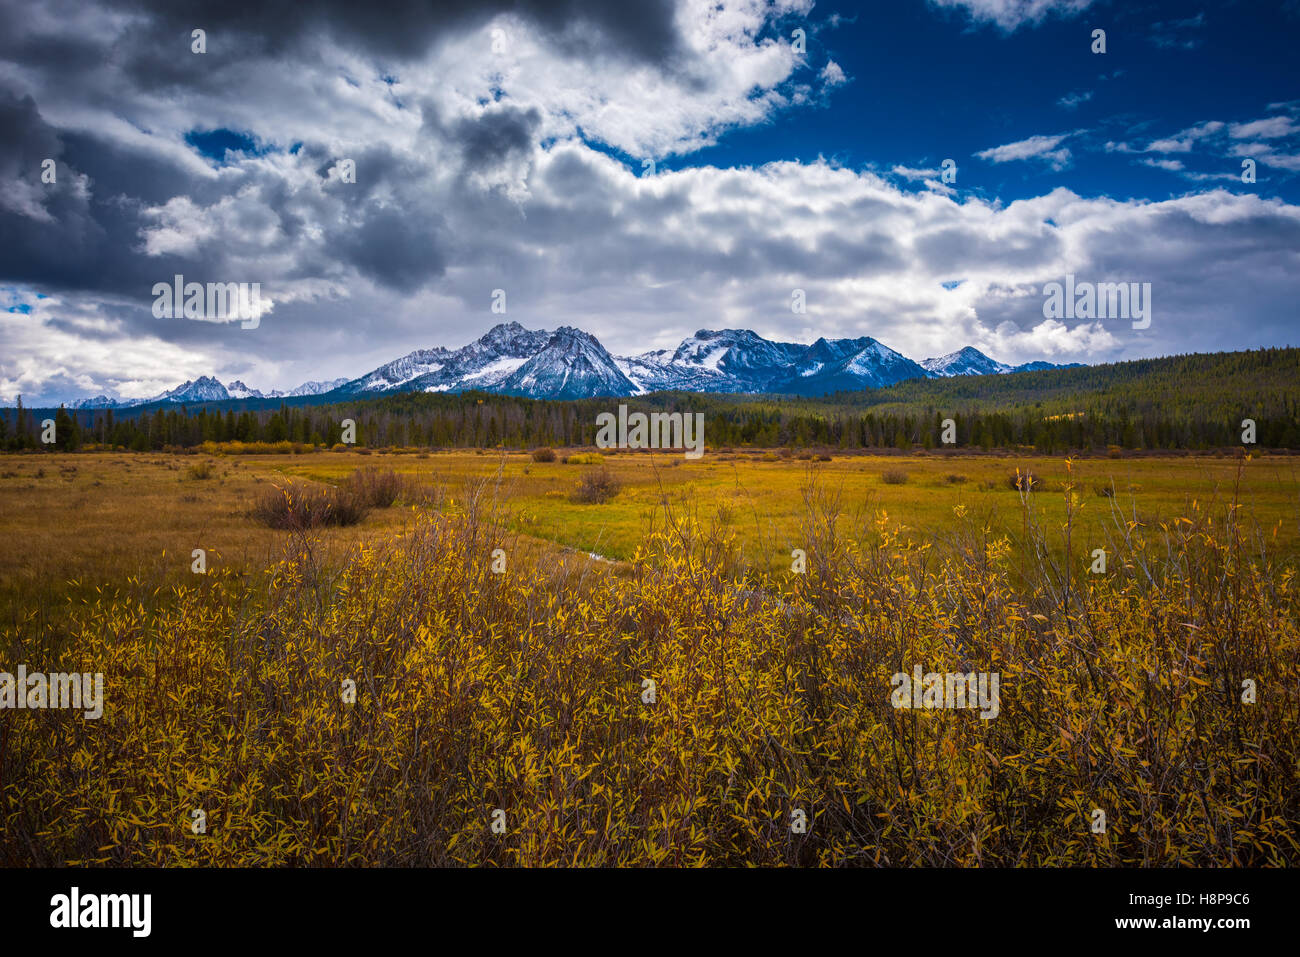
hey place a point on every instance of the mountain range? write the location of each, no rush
(208, 389)
(571, 364)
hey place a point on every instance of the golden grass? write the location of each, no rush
(525, 692)
(95, 519)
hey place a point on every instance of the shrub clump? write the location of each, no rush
(297, 506)
(595, 488)
(894, 477)
(543, 454)
(1024, 481)
(584, 458)
(374, 488)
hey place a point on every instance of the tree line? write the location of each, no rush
(1183, 402)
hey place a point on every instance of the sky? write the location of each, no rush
(640, 171)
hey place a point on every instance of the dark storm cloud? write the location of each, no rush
(378, 168)
(25, 138)
(82, 241)
(498, 134)
(395, 249)
(398, 29)
(121, 170)
(91, 238)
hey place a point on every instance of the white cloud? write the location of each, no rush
(1052, 339)
(729, 78)
(1182, 142)
(1035, 147)
(1072, 101)
(1291, 163)
(913, 174)
(1010, 15)
(74, 347)
(1266, 129)
(832, 74)
(1217, 138)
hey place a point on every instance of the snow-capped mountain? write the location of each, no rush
(312, 388)
(203, 389)
(401, 371)
(968, 361)
(207, 389)
(726, 360)
(572, 365)
(835, 365)
(569, 364)
(971, 361)
(482, 364)
(237, 390)
(98, 402)
(737, 360)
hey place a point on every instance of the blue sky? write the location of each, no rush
(928, 84)
(501, 146)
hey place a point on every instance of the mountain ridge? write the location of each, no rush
(568, 363)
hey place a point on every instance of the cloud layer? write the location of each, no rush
(543, 149)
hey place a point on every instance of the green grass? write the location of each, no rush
(95, 519)
(763, 503)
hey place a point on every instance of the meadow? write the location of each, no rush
(643, 679)
(72, 523)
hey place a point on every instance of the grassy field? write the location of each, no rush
(72, 523)
(518, 695)
(481, 690)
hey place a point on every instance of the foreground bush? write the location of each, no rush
(523, 691)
